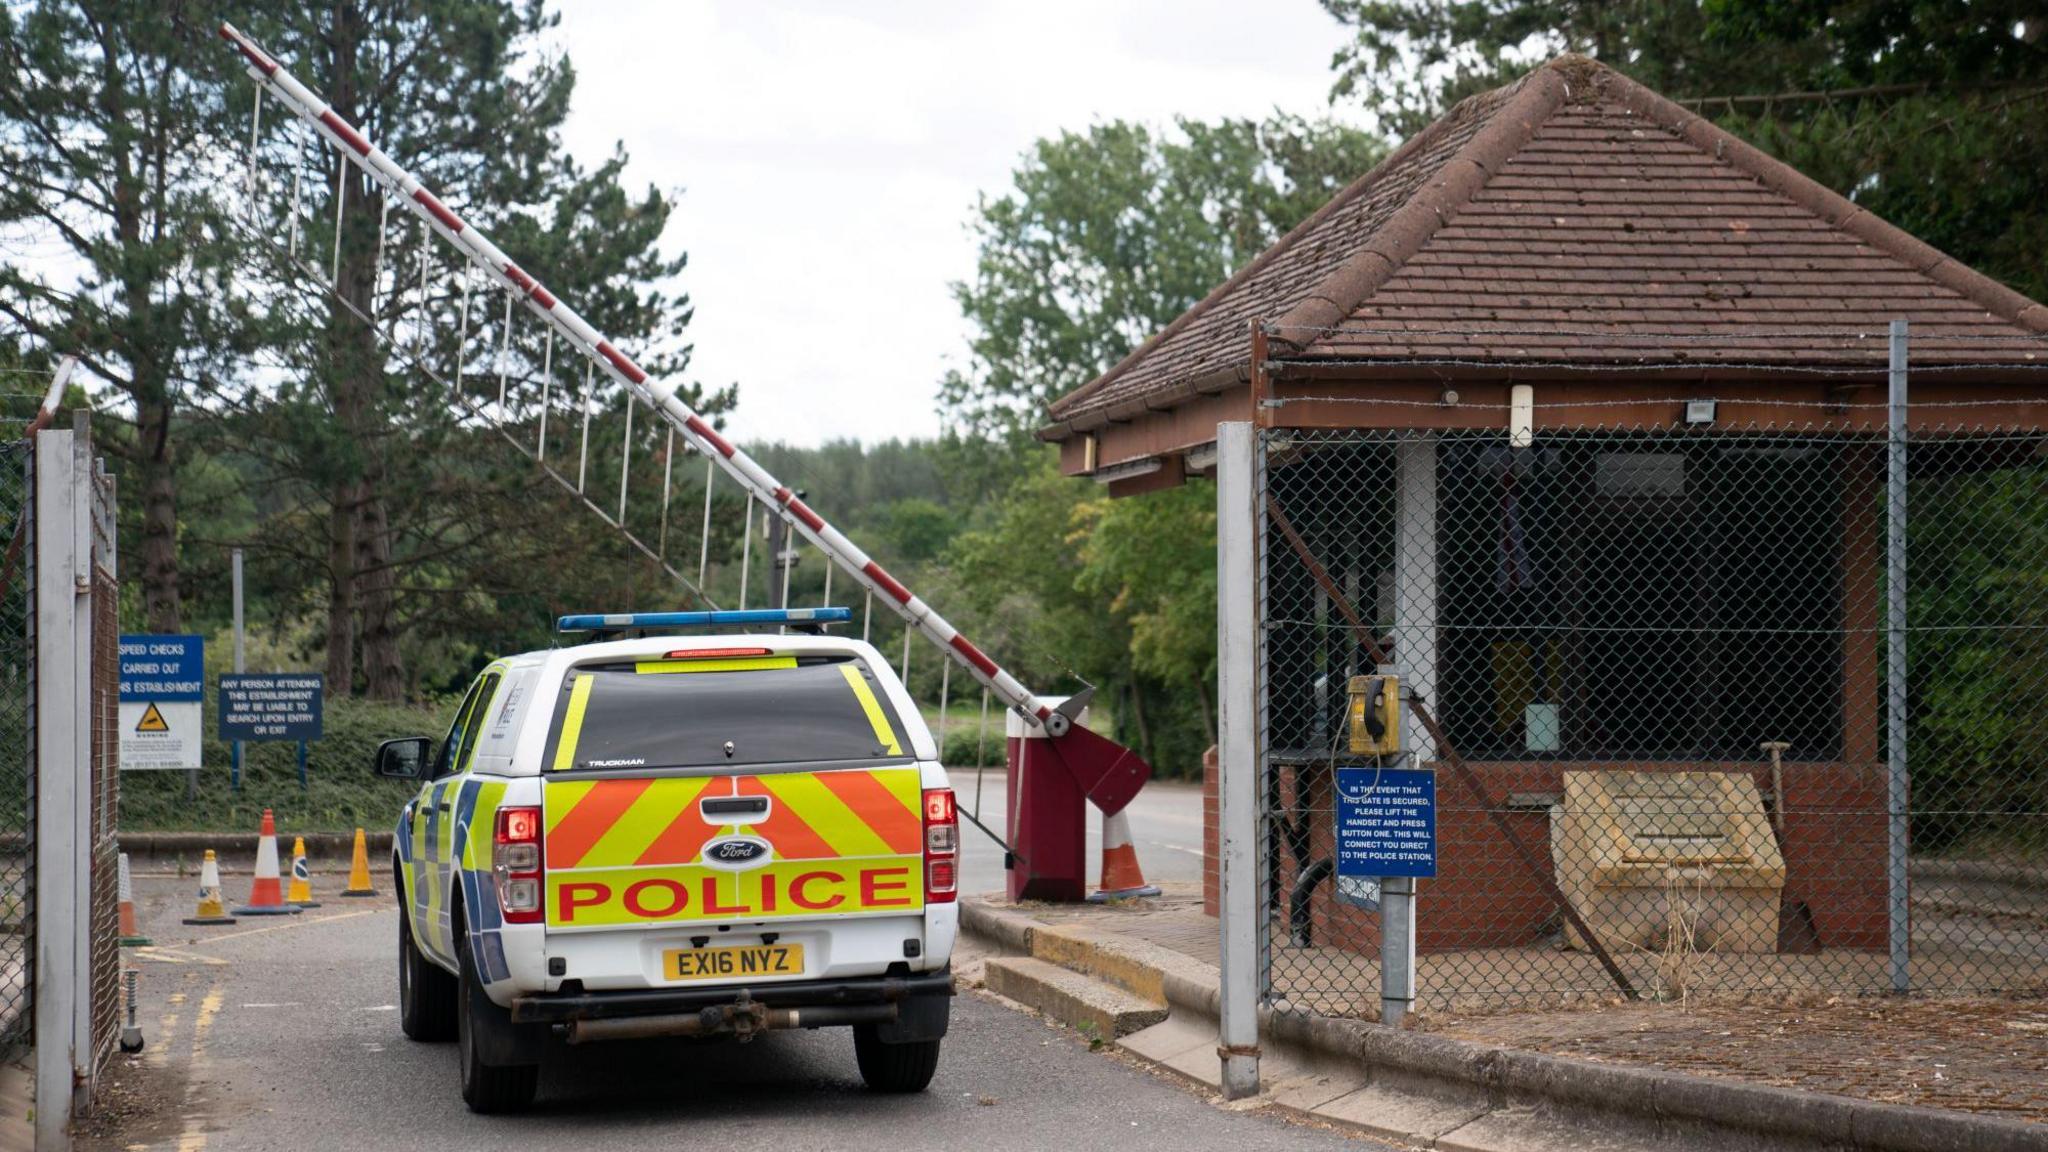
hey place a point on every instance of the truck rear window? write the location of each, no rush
(714, 714)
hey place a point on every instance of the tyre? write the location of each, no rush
(486, 1088)
(426, 992)
(894, 1067)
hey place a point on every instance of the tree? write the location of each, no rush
(107, 111)
(466, 94)
(1931, 115)
(1104, 238)
(1107, 235)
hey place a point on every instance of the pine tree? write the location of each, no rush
(464, 93)
(106, 111)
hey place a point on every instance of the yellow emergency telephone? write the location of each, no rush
(1375, 715)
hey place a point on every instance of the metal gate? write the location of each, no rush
(71, 606)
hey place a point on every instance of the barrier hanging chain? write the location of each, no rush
(751, 476)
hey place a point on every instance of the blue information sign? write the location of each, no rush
(163, 669)
(1386, 822)
(271, 706)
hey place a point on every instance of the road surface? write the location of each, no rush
(283, 1033)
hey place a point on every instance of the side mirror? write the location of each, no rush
(404, 759)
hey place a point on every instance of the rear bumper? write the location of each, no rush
(898, 1000)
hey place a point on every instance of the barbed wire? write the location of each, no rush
(1638, 402)
(1855, 332)
(1596, 367)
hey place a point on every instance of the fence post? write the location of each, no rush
(1415, 612)
(1897, 790)
(63, 724)
(1238, 763)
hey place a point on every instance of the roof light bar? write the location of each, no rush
(615, 621)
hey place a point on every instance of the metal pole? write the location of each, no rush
(668, 470)
(746, 552)
(302, 765)
(291, 246)
(1895, 665)
(547, 380)
(423, 322)
(235, 761)
(945, 686)
(340, 201)
(907, 631)
(825, 601)
(505, 356)
(60, 615)
(704, 542)
(980, 753)
(867, 616)
(255, 139)
(583, 453)
(1238, 792)
(1397, 948)
(462, 329)
(377, 264)
(625, 459)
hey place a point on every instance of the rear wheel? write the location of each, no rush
(426, 993)
(894, 1067)
(487, 1087)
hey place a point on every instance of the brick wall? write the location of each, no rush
(1484, 897)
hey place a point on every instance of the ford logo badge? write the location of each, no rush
(737, 853)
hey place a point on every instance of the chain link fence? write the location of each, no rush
(17, 752)
(104, 952)
(1648, 672)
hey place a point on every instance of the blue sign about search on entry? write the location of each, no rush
(163, 669)
(1386, 822)
(271, 706)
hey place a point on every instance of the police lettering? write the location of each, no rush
(820, 889)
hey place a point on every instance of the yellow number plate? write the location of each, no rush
(733, 963)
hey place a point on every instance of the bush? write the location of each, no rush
(342, 792)
(963, 742)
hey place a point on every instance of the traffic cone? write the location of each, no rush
(359, 870)
(266, 892)
(300, 893)
(131, 936)
(211, 909)
(1122, 879)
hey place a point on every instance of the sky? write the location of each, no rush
(829, 156)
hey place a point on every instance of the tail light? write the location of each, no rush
(941, 847)
(517, 863)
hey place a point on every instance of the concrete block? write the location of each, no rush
(1072, 999)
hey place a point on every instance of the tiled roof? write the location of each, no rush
(1576, 220)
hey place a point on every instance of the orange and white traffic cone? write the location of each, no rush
(359, 870)
(211, 909)
(300, 893)
(266, 891)
(1122, 879)
(131, 936)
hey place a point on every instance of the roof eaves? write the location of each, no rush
(1207, 384)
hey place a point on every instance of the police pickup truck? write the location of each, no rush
(677, 835)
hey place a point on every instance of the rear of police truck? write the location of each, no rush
(734, 834)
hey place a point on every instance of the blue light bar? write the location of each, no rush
(615, 621)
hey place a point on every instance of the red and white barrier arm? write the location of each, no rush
(662, 397)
